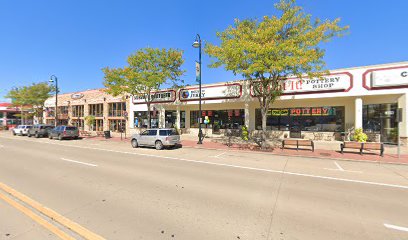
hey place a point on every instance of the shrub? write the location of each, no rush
(244, 133)
(359, 136)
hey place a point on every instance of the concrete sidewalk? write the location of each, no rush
(323, 149)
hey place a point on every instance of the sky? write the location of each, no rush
(75, 39)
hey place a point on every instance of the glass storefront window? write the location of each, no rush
(96, 110)
(219, 119)
(78, 111)
(116, 125)
(141, 119)
(117, 109)
(381, 119)
(316, 119)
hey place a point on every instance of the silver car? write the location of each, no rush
(158, 138)
(21, 130)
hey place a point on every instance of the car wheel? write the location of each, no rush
(158, 145)
(28, 135)
(37, 135)
(134, 143)
(14, 133)
(60, 137)
(49, 136)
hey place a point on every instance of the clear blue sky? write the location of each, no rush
(74, 39)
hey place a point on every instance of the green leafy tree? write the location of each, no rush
(147, 70)
(32, 96)
(268, 51)
(90, 121)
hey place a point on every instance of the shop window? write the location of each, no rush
(78, 111)
(96, 110)
(316, 119)
(381, 119)
(219, 119)
(116, 125)
(117, 109)
(141, 119)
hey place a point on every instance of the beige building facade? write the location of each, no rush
(322, 109)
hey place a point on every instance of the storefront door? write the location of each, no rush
(381, 119)
(295, 127)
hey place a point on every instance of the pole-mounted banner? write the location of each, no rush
(198, 70)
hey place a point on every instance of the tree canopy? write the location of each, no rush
(147, 70)
(267, 51)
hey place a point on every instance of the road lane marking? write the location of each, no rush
(37, 218)
(338, 166)
(236, 166)
(219, 155)
(404, 229)
(1, 146)
(84, 163)
(73, 226)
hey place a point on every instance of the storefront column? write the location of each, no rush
(162, 117)
(105, 116)
(403, 126)
(358, 113)
(178, 117)
(250, 117)
(247, 114)
(86, 113)
(188, 120)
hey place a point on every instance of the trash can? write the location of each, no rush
(107, 134)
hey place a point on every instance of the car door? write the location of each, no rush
(151, 138)
(143, 137)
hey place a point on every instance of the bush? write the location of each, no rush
(244, 133)
(359, 136)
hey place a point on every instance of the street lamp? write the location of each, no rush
(53, 78)
(197, 44)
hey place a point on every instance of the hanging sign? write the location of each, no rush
(157, 97)
(211, 92)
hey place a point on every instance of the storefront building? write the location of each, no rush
(320, 109)
(108, 112)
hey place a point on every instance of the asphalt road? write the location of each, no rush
(122, 193)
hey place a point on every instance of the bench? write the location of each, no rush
(374, 146)
(298, 143)
(85, 133)
(100, 134)
(363, 146)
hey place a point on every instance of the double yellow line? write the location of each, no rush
(73, 226)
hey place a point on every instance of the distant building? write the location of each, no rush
(8, 115)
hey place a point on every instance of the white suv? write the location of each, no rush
(21, 130)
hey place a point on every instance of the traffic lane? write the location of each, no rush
(211, 196)
(307, 166)
(16, 225)
(309, 209)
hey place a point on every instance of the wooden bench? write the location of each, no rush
(298, 143)
(85, 133)
(100, 134)
(363, 146)
(374, 146)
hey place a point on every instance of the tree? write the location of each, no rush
(148, 69)
(90, 121)
(266, 52)
(33, 95)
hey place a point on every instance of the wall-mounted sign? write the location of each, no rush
(339, 82)
(157, 97)
(76, 96)
(313, 111)
(212, 92)
(386, 78)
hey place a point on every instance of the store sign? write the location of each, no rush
(335, 82)
(212, 92)
(279, 112)
(76, 96)
(389, 77)
(158, 97)
(314, 111)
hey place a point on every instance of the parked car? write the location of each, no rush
(39, 130)
(63, 132)
(158, 138)
(21, 130)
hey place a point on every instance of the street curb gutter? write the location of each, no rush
(73, 226)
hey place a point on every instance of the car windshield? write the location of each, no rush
(70, 128)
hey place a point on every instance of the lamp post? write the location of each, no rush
(197, 44)
(53, 78)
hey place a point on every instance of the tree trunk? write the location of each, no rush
(264, 111)
(148, 115)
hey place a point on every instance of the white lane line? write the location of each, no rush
(1, 146)
(219, 155)
(338, 166)
(84, 163)
(404, 229)
(239, 167)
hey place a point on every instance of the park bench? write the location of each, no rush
(374, 146)
(298, 143)
(100, 134)
(85, 133)
(363, 146)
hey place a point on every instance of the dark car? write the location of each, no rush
(63, 132)
(39, 130)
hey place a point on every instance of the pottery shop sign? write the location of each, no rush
(331, 83)
(157, 97)
(211, 92)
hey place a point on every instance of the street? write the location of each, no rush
(118, 192)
